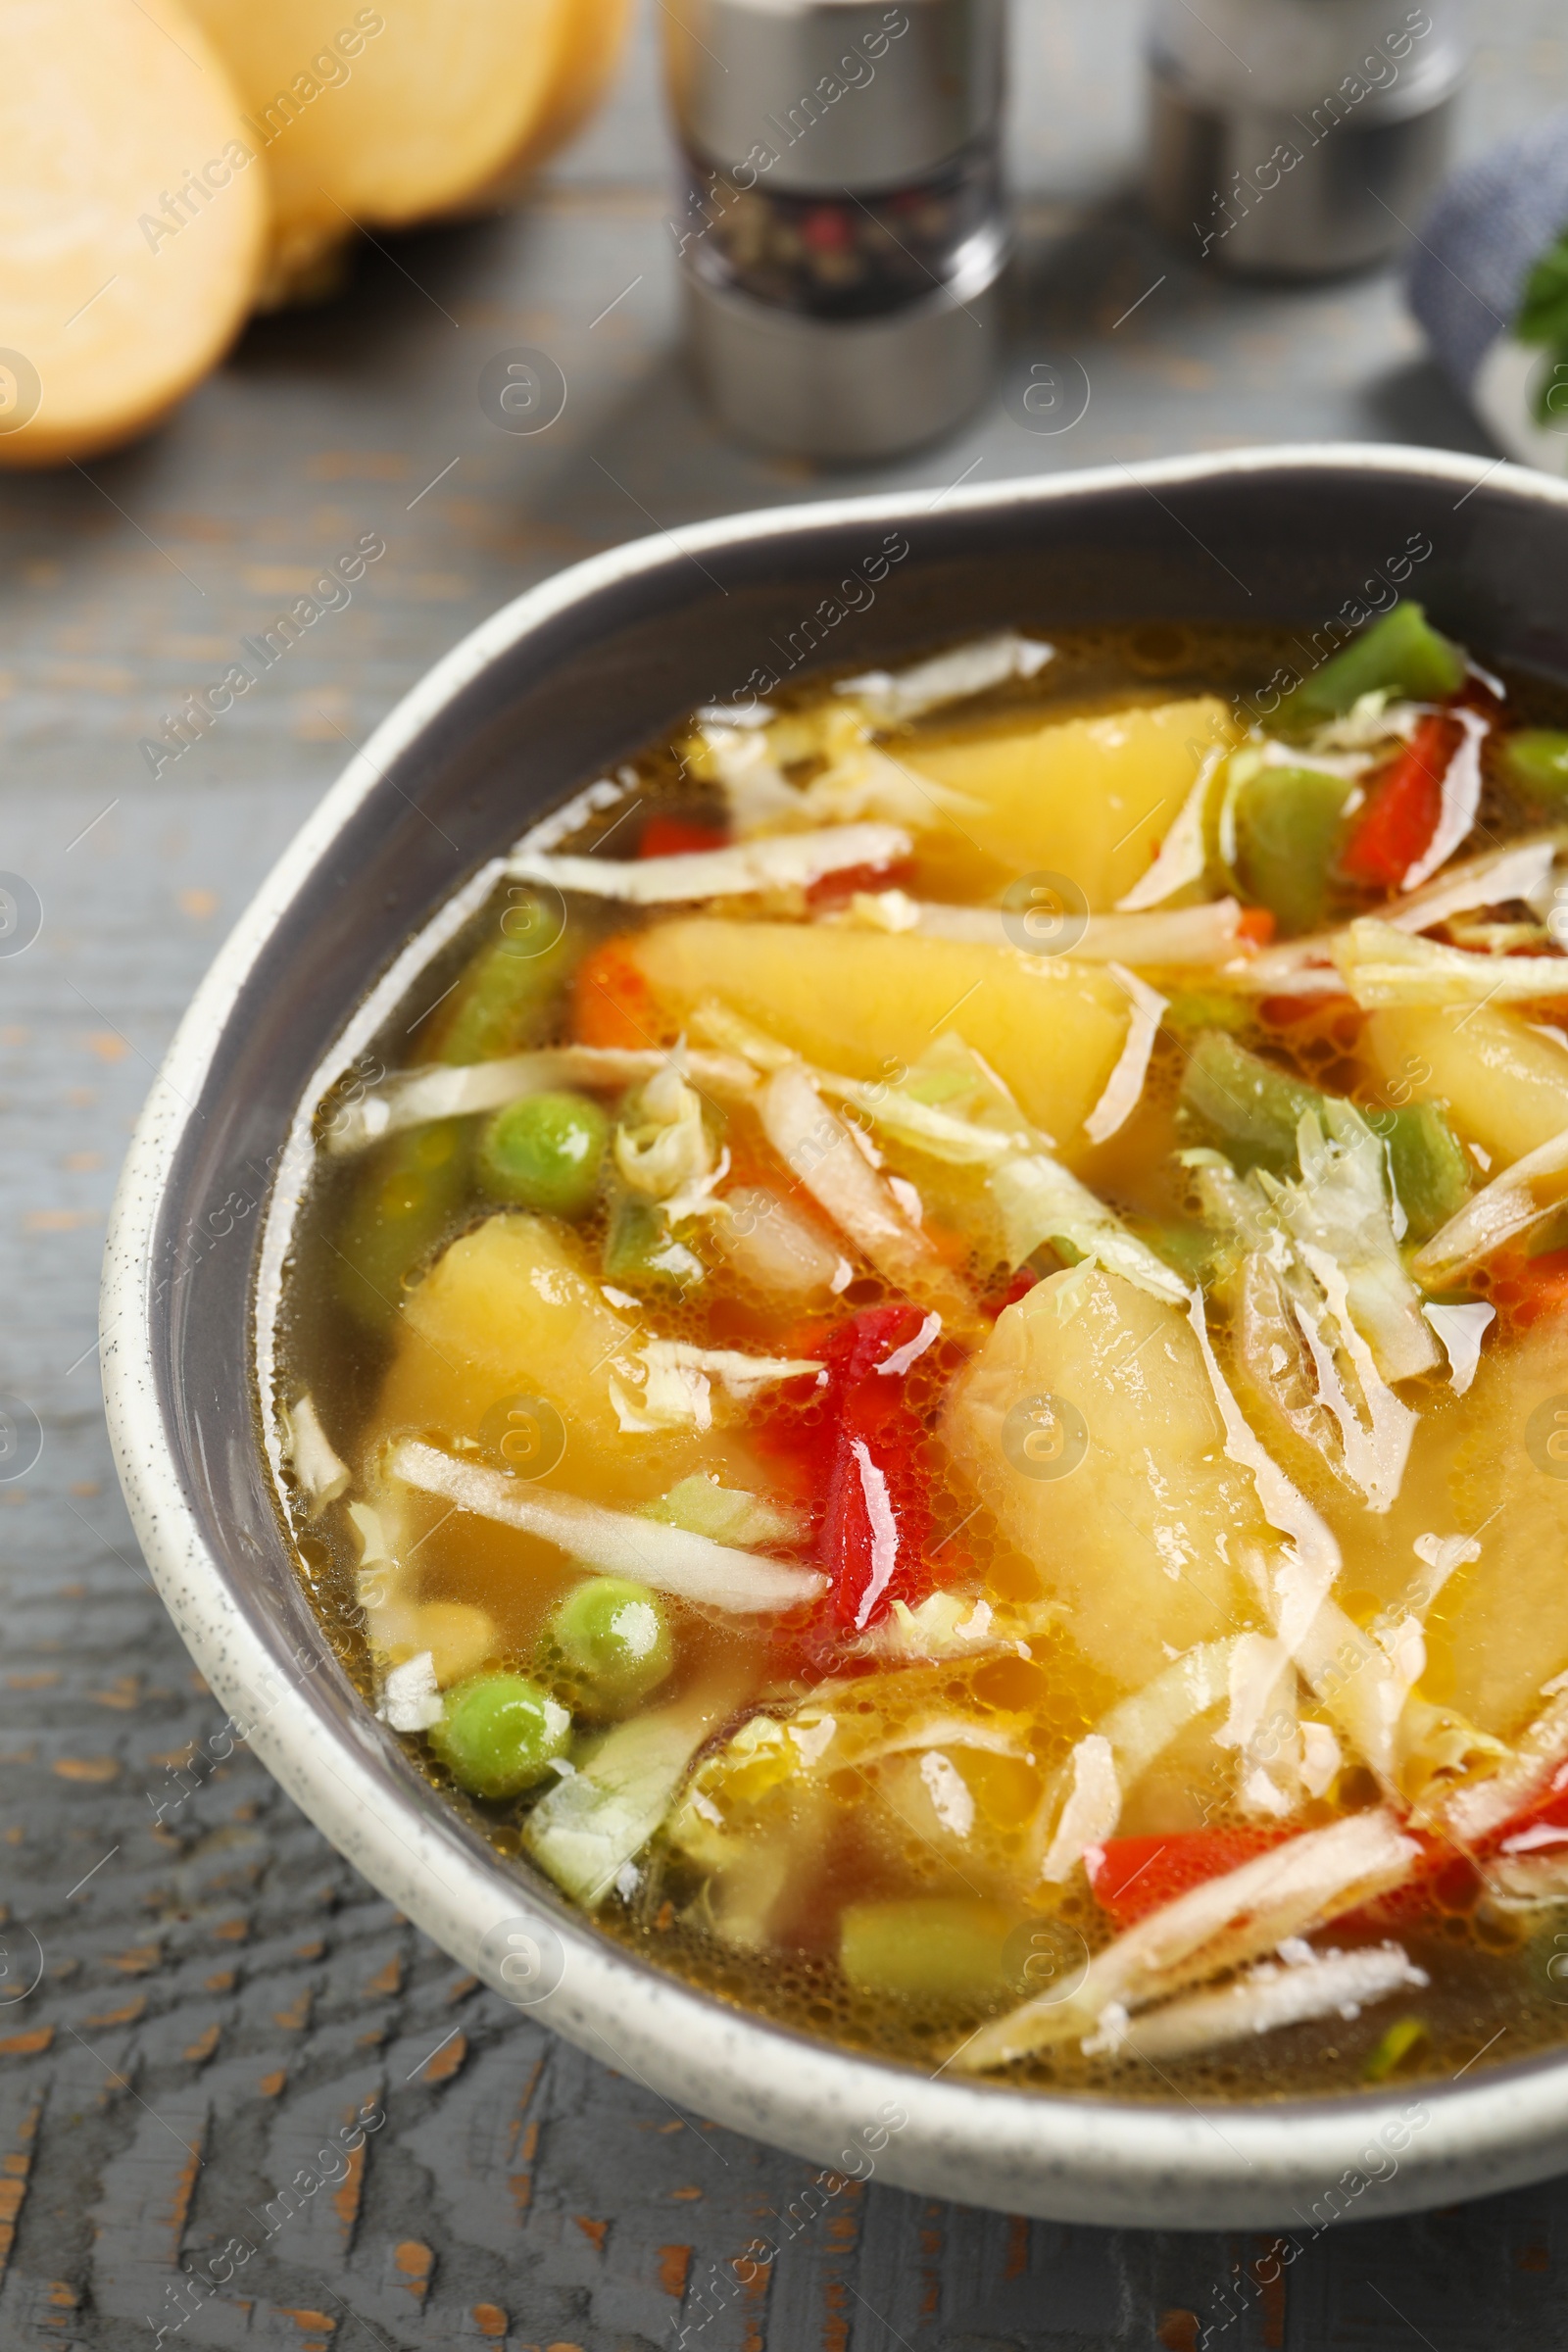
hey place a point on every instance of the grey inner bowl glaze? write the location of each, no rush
(547, 694)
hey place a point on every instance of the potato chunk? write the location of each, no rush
(506, 1312)
(856, 1000)
(390, 117)
(135, 214)
(1088, 798)
(1500, 1625)
(1142, 1536)
(1505, 1085)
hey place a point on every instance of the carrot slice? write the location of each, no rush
(611, 1002)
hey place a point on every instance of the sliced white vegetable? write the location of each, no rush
(1183, 854)
(1517, 872)
(1040, 1200)
(1208, 934)
(1285, 1506)
(591, 1824)
(771, 1245)
(945, 1625)
(1441, 1556)
(323, 1473)
(1340, 1206)
(464, 1090)
(1539, 1764)
(662, 1147)
(1461, 798)
(1091, 1810)
(1500, 1213)
(1371, 720)
(1322, 1759)
(821, 1153)
(775, 862)
(892, 697)
(614, 1543)
(1140, 1728)
(1381, 965)
(410, 1699)
(1461, 1329)
(1267, 1997)
(680, 1376)
(1125, 1085)
(1296, 1887)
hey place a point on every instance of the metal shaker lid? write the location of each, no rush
(839, 94)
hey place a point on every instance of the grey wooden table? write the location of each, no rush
(194, 1985)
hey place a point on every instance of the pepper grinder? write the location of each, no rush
(1297, 139)
(843, 228)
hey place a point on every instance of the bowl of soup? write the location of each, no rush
(844, 1325)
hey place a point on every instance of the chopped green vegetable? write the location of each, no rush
(612, 1636)
(1431, 1169)
(1535, 758)
(403, 1199)
(937, 1947)
(1392, 2048)
(1188, 1250)
(497, 1005)
(1250, 1111)
(1290, 824)
(545, 1152)
(1402, 654)
(586, 1831)
(726, 1514)
(499, 1733)
(1195, 1008)
(641, 1253)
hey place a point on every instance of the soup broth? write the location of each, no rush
(929, 1363)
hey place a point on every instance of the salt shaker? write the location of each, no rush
(843, 228)
(1298, 138)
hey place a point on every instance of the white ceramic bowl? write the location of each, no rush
(550, 691)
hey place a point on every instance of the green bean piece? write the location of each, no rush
(613, 1637)
(1536, 759)
(641, 1253)
(1290, 824)
(402, 1202)
(932, 1947)
(545, 1152)
(1250, 1111)
(1431, 1168)
(1403, 653)
(499, 1733)
(1193, 1008)
(497, 1005)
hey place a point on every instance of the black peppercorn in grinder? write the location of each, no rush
(842, 226)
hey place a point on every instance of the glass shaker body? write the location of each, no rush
(844, 228)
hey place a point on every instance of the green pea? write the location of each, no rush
(499, 1733)
(545, 1152)
(614, 1636)
(1537, 759)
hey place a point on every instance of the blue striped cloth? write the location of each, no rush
(1492, 220)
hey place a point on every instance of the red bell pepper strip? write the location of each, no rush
(673, 837)
(876, 1525)
(1134, 1876)
(1401, 814)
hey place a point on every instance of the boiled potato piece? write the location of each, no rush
(386, 116)
(508, 1311)
(135, 217)
(860, 1001)
(1505, 1084)
(1500, 1626)
(1088, 798)
(1141, 1538)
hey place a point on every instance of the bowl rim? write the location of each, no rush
(1070, 2157)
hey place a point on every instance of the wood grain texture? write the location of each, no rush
(218, 1994)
